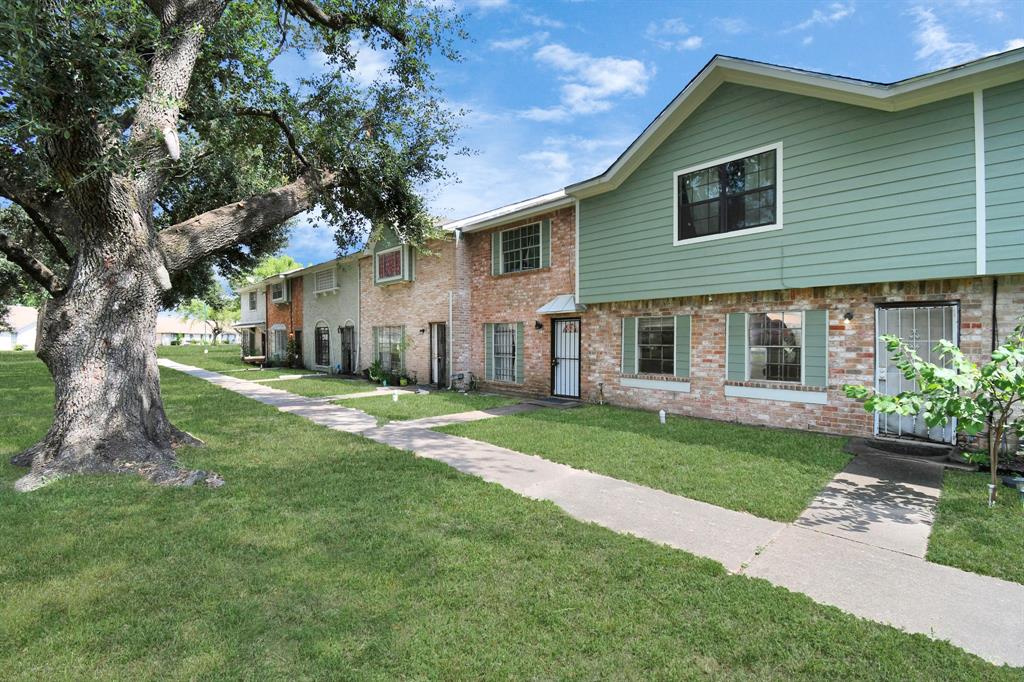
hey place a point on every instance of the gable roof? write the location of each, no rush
(510, 212)
(997, 69)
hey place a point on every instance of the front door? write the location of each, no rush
(347, 344)
(921, 327)
(438, 353)
(565, 357)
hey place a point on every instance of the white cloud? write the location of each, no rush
(591, 83)
(807, 40)
(542, 21)
(546, 115)
(834, 13)
(490, 4)
(1013, 44)
(731, 25)
(673, 34)
(553, 162)
(511, 43)
(936, 46)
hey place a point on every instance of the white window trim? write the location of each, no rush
(803, 349)
(656, 385)
(787, 395)
(777, 225)
(328, 290)
(376, 266)
(501, 247)
(284, 292)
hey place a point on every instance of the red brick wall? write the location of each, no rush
(851, 347)
(516, 297)
(289, 314)
(414, 304)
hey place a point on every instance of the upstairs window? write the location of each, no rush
(520, 248)
(389, 264)
(278, 292)
(324, 280)
(656, 344)
(775, 346)
(252, 300)
(727, 197)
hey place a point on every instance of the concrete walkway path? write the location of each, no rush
(982, 615)
(879, 501)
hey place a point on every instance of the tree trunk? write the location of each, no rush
(97, 341)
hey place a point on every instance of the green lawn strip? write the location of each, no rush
(222, 358)
(968, 534)
(320, 387)
(420, 405)
(770, 473)
(329, 555)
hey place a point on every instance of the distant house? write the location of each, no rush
(22, 322)
(170, 327)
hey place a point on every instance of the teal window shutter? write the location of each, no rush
(489, 351)
(495, 253)
(376, 344)
(629, 345)
(682, 364)
(736, 352)
(545, 243)
(519, 352)
(816, 348)
(401, 355)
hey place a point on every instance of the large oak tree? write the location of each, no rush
(145, 142)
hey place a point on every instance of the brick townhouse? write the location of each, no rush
(406, 300)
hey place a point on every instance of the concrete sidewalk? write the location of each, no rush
(879, 501)
(832, 566)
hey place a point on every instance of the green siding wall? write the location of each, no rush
(1004, 178)
(868, 196)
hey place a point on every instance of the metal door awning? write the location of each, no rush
(563, 303)
(248, 325)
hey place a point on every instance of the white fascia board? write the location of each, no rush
(989, 72)
(506, 214)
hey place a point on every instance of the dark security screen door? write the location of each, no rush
(565, 358)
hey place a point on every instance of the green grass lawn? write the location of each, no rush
(969, 535)
(770, 473)
(320, 387)
(330, 556)
(226, 359)
(418, 406)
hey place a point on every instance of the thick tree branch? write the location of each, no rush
(50, 214)
(311, 12)
(43, 275)
(187, 242)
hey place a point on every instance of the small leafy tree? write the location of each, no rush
(215, 309)
(992, 393)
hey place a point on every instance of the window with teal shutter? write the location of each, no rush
(496, 253)
(736, 347)
(545, 243)
(816, 348)
(629, 345)
(682, 366)
(519, 353)
(489, 352)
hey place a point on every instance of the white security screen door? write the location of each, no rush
(921, 327)
(565, 358)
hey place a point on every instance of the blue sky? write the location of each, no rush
(557, 89)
